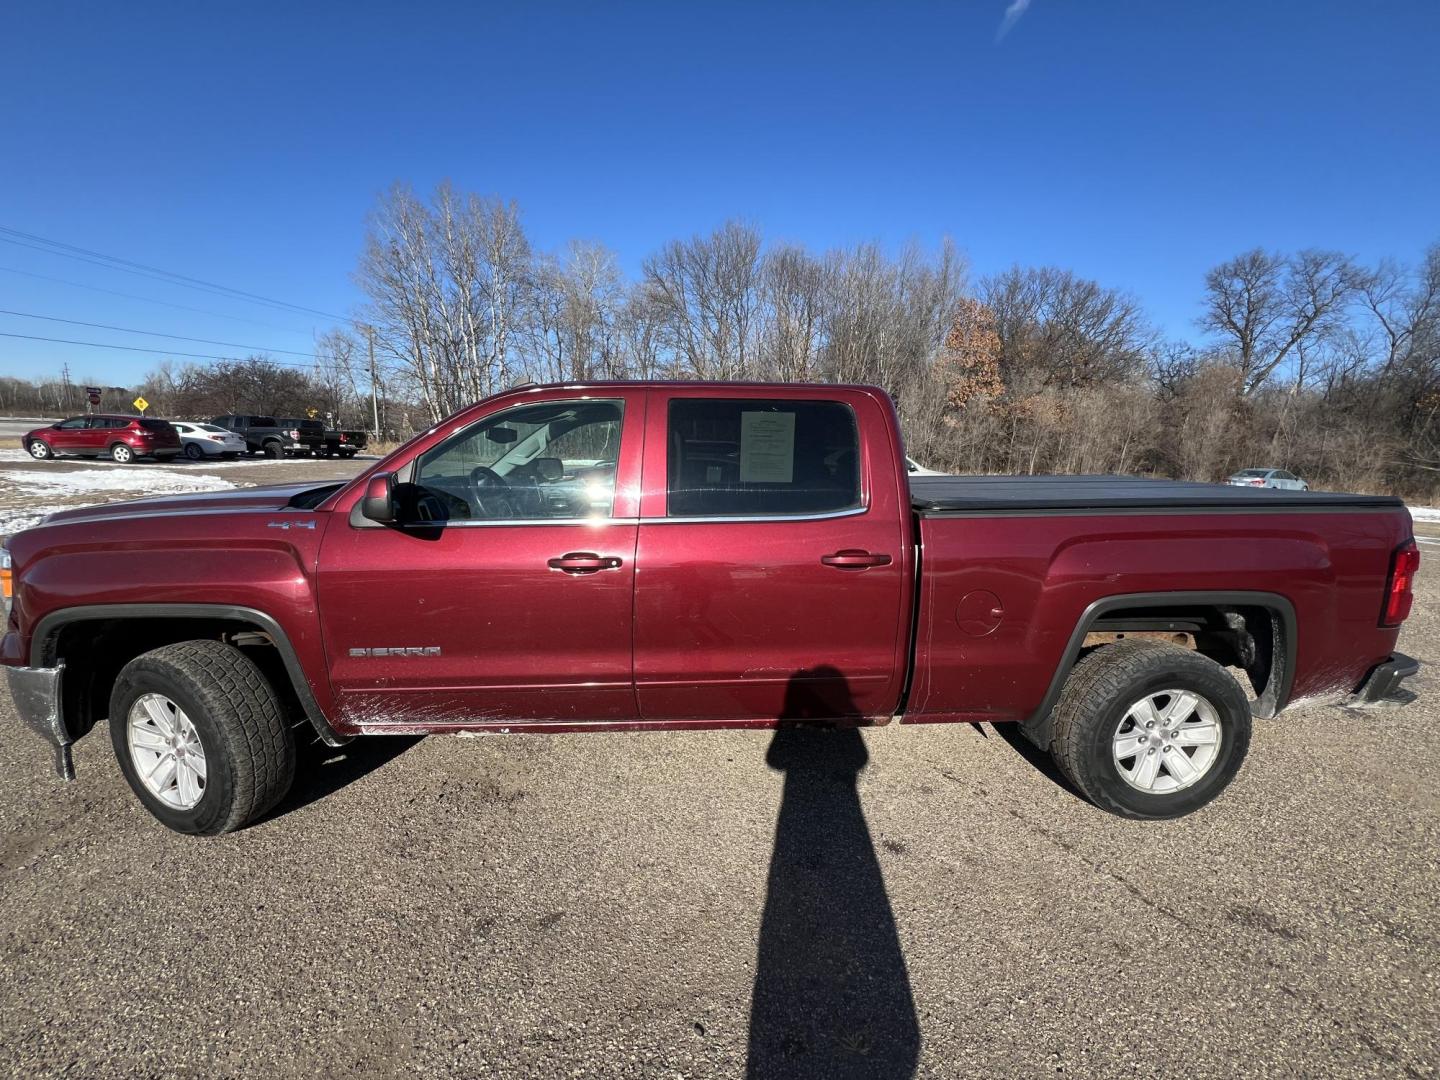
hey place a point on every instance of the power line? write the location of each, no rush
(72, 251)
(150, 300)
(152, 352)
(152, 333)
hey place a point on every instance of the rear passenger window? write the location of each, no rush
(759, 458)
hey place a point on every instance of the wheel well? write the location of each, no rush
(1249, 630)
(1249, 637)
(99, 648)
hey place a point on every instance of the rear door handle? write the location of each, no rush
(854, 559)
(583, 562)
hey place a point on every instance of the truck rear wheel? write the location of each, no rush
(273, 450)
(1147, 729)
(201, 737)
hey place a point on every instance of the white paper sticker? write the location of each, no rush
(767, 447)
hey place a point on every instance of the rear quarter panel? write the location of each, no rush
(1046, 569)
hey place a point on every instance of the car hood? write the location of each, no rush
(270, 497)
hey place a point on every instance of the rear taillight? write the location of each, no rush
(343, 438)
(7, 577)
(1400, 590)
(1257, 483)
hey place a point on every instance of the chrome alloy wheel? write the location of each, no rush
(1167, 741)
(166, 750)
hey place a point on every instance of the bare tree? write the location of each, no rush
(447, 287)
(1264, 305)
(705, 292)
(1058, 330)
(574, 326)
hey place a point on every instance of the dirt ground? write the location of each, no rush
(911, 901)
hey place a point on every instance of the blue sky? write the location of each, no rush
(1137, 143)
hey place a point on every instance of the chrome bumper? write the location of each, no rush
(36, 691)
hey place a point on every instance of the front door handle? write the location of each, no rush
(583, 562)
(854, 559)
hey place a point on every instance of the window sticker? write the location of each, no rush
(767, 447)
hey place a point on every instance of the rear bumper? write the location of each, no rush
(37, 699)
(1383, 681)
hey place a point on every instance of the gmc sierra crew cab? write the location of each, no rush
(664, 556)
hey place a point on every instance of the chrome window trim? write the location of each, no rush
(751, 519)
(754, 519)
(468, 523)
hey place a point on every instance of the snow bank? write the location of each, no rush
(96, 481)
(15, 518)
(1425, 513)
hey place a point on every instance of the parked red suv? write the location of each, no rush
(123, 438)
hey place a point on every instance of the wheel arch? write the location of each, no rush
(147, 626)
(1267, 619)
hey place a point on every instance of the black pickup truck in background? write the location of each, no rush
(344, 442)
(275, 437)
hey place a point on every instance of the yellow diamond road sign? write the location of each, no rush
(141, 404)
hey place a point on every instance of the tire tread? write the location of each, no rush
(246, 713)
(1099, 677)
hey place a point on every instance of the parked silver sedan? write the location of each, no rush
(207, 440)
(1268, 478)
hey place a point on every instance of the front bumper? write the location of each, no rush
(1383, 682)
(36, 691)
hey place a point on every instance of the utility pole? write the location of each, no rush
(65, 388)
(374, 394)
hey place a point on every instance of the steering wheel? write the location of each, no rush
(492, 493)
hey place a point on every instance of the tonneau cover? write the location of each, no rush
(1005, 494)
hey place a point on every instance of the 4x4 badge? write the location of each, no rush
(291, 525)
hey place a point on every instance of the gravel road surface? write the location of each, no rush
(907, 901)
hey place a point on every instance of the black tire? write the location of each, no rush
(193, 451)
(122, 454)
(347, 453)
(273, 450)
(1094, 703)
(40, 450)
(249, 748)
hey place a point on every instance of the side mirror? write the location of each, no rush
(378, 503)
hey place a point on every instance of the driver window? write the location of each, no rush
(535, 462)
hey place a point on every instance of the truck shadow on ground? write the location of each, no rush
(1042, 761)
(832, 995)
(322, 770)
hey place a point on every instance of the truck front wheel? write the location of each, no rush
(201, 737)
(1150, 730)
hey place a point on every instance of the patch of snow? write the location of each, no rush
(85, 482)
(15, 455)
(1425, 513)
(14, 519)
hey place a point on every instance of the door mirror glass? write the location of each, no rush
(378, 503)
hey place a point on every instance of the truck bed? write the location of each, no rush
(939, 495)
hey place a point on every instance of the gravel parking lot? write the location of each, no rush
(926, 901)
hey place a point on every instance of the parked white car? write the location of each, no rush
(207, 440)
(914, 468)
(1267, 478)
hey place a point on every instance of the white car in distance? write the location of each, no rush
(207, 440)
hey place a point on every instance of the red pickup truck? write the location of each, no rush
(680, 555)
